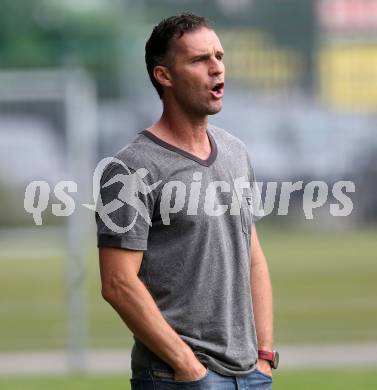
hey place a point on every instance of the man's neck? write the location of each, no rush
(184, 132)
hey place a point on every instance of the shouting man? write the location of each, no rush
(183, 267)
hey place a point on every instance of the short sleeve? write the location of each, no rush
(125, 207)
(257, 205)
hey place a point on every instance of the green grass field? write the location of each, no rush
(285, 380)
(324, 291)
(324, 285)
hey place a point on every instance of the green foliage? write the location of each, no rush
(39, 33)
(107, 37)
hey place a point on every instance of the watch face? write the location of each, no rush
(275, 362)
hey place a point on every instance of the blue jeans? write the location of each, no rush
(161, 379)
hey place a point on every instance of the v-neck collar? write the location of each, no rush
(209, 161)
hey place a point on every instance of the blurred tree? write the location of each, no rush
(104, 35)
(39, 33)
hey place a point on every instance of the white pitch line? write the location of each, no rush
(329, 355)
(56, 362)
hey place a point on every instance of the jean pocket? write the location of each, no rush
(143, 374)
(263, 374)
(168, 376)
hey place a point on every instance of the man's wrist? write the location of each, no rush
(265, 347)
(272, 357)
(265, 363)
(183, 358)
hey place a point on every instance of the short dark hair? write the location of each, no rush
(158, 44)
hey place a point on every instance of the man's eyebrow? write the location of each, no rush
(200, 56)
(205, 55)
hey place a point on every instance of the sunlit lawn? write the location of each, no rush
(324, 290)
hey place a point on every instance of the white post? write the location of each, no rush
(81, 140)
(75, 90)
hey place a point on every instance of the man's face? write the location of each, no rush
(197, 72)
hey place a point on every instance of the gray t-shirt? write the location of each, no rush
(193, 223)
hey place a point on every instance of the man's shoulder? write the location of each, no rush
(228, 139)
(138, 153)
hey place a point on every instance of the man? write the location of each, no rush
(184, 268)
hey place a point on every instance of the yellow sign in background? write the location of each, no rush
(253, 58)
(348, 76)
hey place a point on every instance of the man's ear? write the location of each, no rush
(162, 75)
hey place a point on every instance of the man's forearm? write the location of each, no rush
(262, 295)
(137, 308)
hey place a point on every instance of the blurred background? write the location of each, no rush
(301, 92)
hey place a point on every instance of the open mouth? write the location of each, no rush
(218, 90)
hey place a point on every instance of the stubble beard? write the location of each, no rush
(194, 107)
(215, 110)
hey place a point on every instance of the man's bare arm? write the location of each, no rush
(127, 294)
(261, 291)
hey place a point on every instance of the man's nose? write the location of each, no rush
(216, 67)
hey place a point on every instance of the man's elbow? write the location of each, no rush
(116, 288)
(107, 293)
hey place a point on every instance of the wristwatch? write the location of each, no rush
(271, 357)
